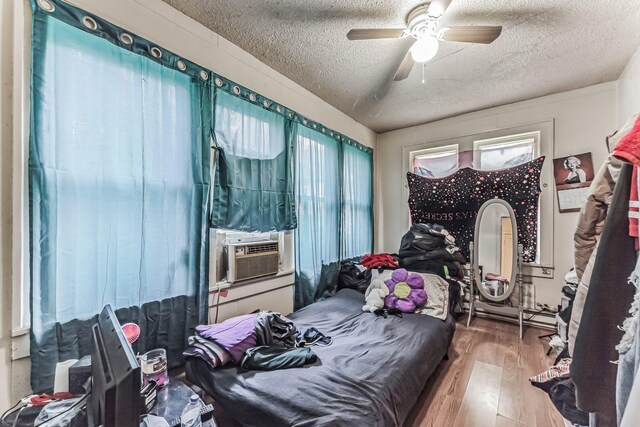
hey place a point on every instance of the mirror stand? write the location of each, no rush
(474, 295)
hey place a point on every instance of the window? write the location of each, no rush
(317, 238)
(435, 162)
(253, 184)
(118, 190)
(357, 202)
(506, 151)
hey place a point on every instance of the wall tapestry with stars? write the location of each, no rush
(454, 201)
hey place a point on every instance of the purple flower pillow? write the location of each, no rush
(406, 291)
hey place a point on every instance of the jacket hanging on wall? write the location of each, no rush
(607, 301)
(454, 201)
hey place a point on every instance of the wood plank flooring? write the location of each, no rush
(485, 381)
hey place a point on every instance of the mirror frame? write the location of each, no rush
(476, 247)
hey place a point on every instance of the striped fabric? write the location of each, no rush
(561, 370)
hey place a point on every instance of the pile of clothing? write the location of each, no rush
(358, 275)
(425, 248)
(430, 248)
(257, 341)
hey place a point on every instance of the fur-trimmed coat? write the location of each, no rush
(587, 235)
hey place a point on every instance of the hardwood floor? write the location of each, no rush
(485, 381)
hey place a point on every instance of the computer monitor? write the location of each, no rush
(115, 372)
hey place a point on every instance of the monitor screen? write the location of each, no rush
(115, 391)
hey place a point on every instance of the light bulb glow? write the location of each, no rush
(424, 49)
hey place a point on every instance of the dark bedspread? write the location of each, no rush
(371, 375)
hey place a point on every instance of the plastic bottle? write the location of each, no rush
(191, 413)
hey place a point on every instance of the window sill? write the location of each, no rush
(20, 343)
(538, 270)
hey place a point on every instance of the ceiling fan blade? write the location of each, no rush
(405, 67)
(375, 33)
(472, 34)
(437, 7)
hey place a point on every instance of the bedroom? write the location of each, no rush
(279, 88)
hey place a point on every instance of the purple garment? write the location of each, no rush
(234, 335)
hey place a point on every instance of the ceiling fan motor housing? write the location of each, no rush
(420, 23)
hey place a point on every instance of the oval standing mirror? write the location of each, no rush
(495, 250)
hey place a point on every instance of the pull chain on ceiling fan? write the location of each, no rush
(422, 25)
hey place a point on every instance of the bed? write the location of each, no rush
(371, 375)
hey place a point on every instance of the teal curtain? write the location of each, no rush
(119, 181)
(317, 238)
(254, 180)
(357, 202)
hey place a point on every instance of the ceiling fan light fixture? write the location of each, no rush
(424, 49)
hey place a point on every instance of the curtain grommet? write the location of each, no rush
(46, 5)
(265, 103)
(204, 75)
(278, 109)
(315, 126)
(90, 23)
(304, 121)
(181, 65)
(324, 130)
(126, 39)
(236, 90)
(218, 81)
(155, 52)
(252, 97)
(290, 115)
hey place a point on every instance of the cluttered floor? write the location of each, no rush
(485, 382)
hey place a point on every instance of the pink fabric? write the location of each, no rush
(634, 206)
(629, 146)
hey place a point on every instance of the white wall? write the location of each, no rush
(6, 129)
(172, 30)
(582, 119)
(629, 90)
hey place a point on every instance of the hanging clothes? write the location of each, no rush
(629, 149)
(629, 348)
(608, 299)
(634, 208)
(587, 235)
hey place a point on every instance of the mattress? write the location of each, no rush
(371, 375)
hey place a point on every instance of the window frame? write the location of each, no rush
(543, 267)
(480, 144)
(434, 152)
(20, 265)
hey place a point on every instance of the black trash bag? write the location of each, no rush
(351, 277)
(419, 240)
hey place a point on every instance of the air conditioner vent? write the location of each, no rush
(266, 247)
(252, 260)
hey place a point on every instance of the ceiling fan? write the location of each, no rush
(422, 24)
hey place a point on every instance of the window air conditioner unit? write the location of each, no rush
(249, 260)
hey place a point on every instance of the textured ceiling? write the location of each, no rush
(547, 46)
